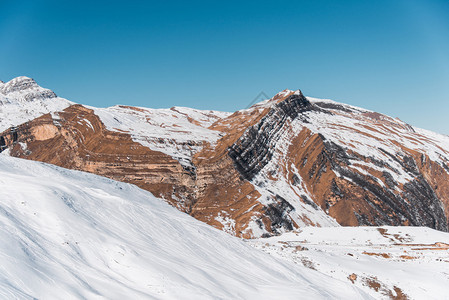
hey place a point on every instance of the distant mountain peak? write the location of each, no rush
(25, 89)
(22, 99)
(19, 83)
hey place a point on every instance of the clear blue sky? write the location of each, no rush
(390, 56)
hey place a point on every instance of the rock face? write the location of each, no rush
(284, 163)
(254, 149)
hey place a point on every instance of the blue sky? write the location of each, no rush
(388, 56)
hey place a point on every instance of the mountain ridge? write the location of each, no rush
(287, 162)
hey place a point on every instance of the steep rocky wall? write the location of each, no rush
(351, 194)
(370, 197)
(252, 151)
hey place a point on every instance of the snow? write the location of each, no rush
(69, 234)
(303, 214)
(403, 257)
(227, 222)
(76, 235)
(179, 132)
(22, 100)
(370, 136)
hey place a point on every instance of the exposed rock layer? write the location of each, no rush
(273, 169)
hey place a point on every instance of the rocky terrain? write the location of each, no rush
(283, 164)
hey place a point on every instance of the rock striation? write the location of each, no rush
(284, 163)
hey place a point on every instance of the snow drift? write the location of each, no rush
(72, 234)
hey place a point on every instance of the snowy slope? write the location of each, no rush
(21, 100)
(69, 234)
(367, 133)
(179, 131)
(384, 261)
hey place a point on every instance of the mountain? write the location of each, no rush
(283, 164)
(70, 234)
(22, 99)
(289, 173)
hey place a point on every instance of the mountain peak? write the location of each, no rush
(281, 96)
(25, 89)
(18, 84)
(22, 99)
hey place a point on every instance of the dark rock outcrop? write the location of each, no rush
(254, 149)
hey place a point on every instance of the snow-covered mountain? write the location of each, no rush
(282, 164)
(286, 173)
(68, 234)
(22, 99)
